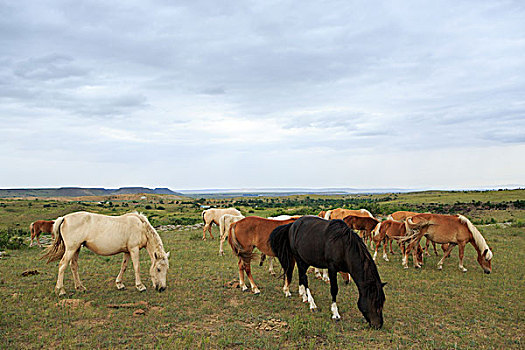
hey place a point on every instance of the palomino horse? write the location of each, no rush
(341, 213)
(388, 230)
(107, 235)
(363, 224)
(38, 227)
(245, 235)
(452, 229)
(311, 241)
(224, 228)
(402, 216)
(212, 216)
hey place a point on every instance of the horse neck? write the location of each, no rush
(355, 260)
(154, 244)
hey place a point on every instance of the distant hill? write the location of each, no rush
(81, 192)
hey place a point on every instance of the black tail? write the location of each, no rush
(280, 244)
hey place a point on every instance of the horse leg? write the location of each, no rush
(304, 291)
(248, 269)
(415, 259)
(426, 247)
(375, 250)
(385, 256)
(435, 250)
(209, 230)
(270, 266)
(32, 236)
(206, 227)
(404, 251)
(241, 276)
(74, 270)
(447, 252)
(288, 279)
(461, 247)
(118, 281)
(134, 253)
(333, 290)
(390, 245)
(59, 288)
(224, 235)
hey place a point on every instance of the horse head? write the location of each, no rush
(485, 260)
(371, 302)
(159, 270)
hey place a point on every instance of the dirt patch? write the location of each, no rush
(271, 325)
(74, 303)
(232, 284)
(141, 303)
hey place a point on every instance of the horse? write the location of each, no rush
(245, 235)
(451, 229)
(388, 230)
(311, 241)
(107, 235)
(224, 228)
(364, 224)
(212, 216)
(38, 227)
(402, 216)
(341, 213)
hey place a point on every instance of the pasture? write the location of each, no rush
(201, 307)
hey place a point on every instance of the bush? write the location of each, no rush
(12, 238)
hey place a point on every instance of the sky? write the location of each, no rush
(255, 94)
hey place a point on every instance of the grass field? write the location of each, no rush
(424, 309)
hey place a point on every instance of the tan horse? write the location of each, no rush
(212, 216)
(341, 213)
(452, 229)
(245, 235)
(402, 216)
(224, 228)
(107, 235)
(38, 227)
(387, 231)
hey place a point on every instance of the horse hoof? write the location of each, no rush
(313, 309)
(61, 292)
(81, 289)
(336, 319)
(121, 286)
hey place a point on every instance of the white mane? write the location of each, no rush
(480, 241)
(151, 233)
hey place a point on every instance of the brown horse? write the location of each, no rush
(402, 216)
(38, 227)
(245, 235)
(389, 230)
(452, 229)
(363, 224)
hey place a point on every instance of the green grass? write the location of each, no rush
(424, 309)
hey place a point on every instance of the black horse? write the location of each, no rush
(312, 241)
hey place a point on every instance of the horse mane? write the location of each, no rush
(151, 233)
(478, 238)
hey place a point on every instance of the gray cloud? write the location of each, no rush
(191, 83)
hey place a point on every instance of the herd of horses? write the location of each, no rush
(328, 241)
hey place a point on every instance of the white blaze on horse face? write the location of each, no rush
(335, 312)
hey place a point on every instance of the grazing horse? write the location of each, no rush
(107, 235)
(224, 228)
(38, 227)
(402, 216)
(245, 235)
(212, 216)
(364, 224)
(388, 230)
(341, 213)
(452, 229)
(311, 241)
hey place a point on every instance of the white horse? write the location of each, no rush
(107, 235)
(212, 216)
(224, 228)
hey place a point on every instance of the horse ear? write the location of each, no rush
(167, 255)
(383, 284)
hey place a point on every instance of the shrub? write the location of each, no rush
(12, 238)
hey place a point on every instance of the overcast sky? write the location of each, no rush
(241, 94)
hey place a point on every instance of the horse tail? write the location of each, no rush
(31, 229)
(389, 217)
(478, 238)
(237, 248)
(56, 250)
(327, 215)
(280, 244)
(376, 230)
